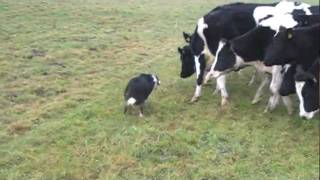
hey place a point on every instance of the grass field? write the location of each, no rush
(64, 66)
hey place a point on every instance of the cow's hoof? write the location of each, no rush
(255, 101)
(290, 112)
(215, 92)
(206, 80)
(194, 99)
(224, 102)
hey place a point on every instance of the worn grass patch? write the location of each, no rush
(63, 69)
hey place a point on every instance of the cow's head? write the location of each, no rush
(282, 49)
(187, 61)
(307, 89)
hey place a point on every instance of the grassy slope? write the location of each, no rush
(61, 114)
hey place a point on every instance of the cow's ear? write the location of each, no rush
(225, 41)
(282, 29)
(289, 33)
(180, 50)
(187, 37)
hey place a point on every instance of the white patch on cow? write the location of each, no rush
(198, 91)
(302, 112)
(262, 12)
(131, 101)
(274, 23)
(197, 64)
(201, 27)
(274, 87)
(211, 73)
(277, 78)
(221, 84)
(281, 14)
(239, 61)
(259, 65)
(286, 67)
(285, 6)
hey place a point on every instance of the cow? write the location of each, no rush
(289, 70)
(301, 47)
(249, 49)
(138, 90)
(227, 22)
(307, 87)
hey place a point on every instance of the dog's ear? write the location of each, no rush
(187, 37)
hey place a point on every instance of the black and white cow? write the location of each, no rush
(227, 22)
(299, 46)
(138, 90)
(289, 70)
(307, 87)
(249, 49)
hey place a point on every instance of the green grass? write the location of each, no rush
(64, 66)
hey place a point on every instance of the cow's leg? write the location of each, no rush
(209, 74)
(216, 90)
(200, 68)
(275, 85)
(273, 102)
(125, 109)
(141, 110)
(288, 103)
(253, 78)
(258, 94)
(221, 86)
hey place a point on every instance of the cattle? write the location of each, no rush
(249, 49)
(299, 47)
(227, 22)
(138, 90)
(307, 87)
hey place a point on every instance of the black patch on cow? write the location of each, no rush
(288, 84)
(226, 58)
(298, 12)
(251, 45)
(310, 94)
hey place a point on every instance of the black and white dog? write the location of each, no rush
(138, 90)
